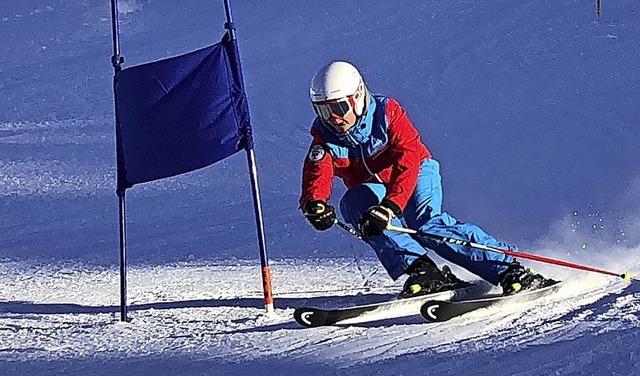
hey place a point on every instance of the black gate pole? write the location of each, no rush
(116, 61)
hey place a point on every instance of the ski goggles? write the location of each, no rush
(334, 108)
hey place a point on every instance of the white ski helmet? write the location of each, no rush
(338, 82)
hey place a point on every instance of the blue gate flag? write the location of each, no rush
(180, 114)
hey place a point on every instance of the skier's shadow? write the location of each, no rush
(281, 303)
(25, 307)
(336, 301)
(292, 325)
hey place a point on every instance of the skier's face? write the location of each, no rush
(338, 113)
(342, 124)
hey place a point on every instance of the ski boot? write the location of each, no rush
(425, 278)
(518, 278)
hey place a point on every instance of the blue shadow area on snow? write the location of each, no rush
(281, 303)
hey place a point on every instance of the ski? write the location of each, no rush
(436, 310)
(314, 317)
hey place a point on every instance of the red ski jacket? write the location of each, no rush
(384, 147)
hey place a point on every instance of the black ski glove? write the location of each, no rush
(320, 214)
(376, 219)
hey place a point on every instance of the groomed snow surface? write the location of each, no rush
(207, 319)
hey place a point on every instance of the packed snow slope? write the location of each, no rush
(531, 107)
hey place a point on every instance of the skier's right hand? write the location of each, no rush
(320, 214)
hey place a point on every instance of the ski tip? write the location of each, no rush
(436, 311)
(311, 317)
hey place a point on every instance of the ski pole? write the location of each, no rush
(626, 276)
(349, 229)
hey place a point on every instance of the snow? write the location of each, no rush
(532, 109)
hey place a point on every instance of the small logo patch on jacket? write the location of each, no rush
(316, 153)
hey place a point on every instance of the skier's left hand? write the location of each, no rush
(376, 219)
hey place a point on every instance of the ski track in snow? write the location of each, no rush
(208, 311)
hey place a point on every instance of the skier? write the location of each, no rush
(369, 142)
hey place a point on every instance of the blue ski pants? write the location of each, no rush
(397, 250)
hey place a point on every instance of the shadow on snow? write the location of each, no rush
(22, 307)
